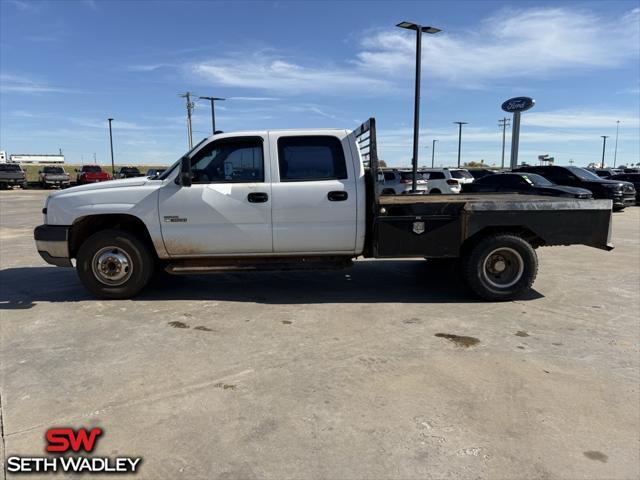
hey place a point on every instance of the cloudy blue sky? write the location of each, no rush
(65, 66)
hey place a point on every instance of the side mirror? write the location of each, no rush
(184, 178)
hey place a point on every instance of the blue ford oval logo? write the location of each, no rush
(518, 104)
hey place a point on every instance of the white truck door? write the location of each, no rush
(314, 193)
(227, 209)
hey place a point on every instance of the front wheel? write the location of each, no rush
(500, 267)
(114, 264)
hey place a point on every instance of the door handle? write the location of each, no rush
(337, 196)
(257, 197)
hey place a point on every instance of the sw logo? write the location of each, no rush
(65, 440)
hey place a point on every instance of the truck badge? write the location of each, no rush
(418, 228)
(174, 219)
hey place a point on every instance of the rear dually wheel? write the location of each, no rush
(500, 267)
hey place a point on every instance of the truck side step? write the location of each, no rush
(222, 264)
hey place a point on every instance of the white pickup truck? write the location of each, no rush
(295, 199)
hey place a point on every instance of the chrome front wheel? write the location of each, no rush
(112, 266)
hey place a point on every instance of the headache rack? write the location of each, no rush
(365, 136)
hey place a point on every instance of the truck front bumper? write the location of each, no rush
(52, 242)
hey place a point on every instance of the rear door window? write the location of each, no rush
(435, 175)
(311, 158)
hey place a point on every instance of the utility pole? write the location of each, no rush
(190, 106)
(113, 167)
(460, 139)
(433, 151)
(604, 143)
(213, 114)
(504, 123)
(615, 151)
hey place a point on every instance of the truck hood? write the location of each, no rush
(575, 191)
(125, 182)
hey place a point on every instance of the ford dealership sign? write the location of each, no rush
(518, 104)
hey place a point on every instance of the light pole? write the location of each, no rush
(604, 143)
(433, 151)
(460, 139)
(213, 112)
(419, 29)
(113, 167)
(615, 151)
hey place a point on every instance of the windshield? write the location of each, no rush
(91, 168)
(52, 170)
(168, 171)
(583, 174)
(460, 174)
(538, 180)
(130, 170)
(8, 167)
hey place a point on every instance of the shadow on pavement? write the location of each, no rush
(382, 281)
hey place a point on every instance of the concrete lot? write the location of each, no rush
(331, 375)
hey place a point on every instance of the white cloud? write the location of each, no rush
(21, 84)
(267, 72)
(580, 119)
(150, 67)
(25, 6)
(513, 43)
(255, 99)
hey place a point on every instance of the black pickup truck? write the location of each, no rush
(300, 199)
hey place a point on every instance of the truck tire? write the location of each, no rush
(114, 264)
(500, 267)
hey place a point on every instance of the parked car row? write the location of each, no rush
(622, 193)
(559, 181)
